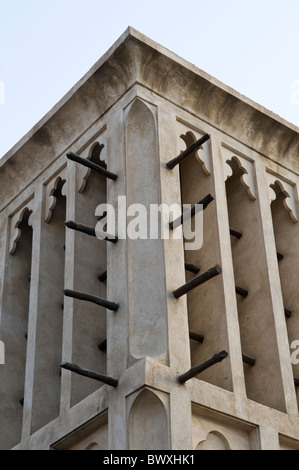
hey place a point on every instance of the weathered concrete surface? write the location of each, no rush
(145, 104)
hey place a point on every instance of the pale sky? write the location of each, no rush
(46, 46)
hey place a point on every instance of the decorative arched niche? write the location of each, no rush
(281, 188)
(203, 154)
(214, 441)
(19, 218)
(96, 151)
(237, 164)
(55, 188)
(148, 423)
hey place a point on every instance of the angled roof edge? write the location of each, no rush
(131, 32)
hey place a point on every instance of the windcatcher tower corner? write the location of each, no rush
(206, 367)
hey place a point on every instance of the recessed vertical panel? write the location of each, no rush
(146, 282)
(258, 336)
(46, 387)
(14, 329)
(287, 243)
(206, 307)
(89, 320)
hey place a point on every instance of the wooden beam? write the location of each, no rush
(93, 166)
(91, 231)
(204, 202)
(195, 146)
(103, 345)
(235, 233)
(89, 373)
(248, 360)
(192, 268)
(103, 277)
(287, 313)
(218, 357)
(91, 298)
(196, 337)
(198, 280)
(241, 291)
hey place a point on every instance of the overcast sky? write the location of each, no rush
(46, 46)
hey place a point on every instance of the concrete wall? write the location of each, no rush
(145, 120)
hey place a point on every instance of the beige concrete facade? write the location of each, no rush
(134, 111)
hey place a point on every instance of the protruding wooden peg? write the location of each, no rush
(201, 205)
(195, 146)
(280, 256)
(287, 313)
(89, 373)
(91, 298)
(81, 228)
(101, 217)
(241, 291)
(218, 357)
(103, 277)
(196, 337)
(192, 268)
(196, 281)
(103, 345)
(235, 233)
(93, 166)
(248, 360)
(88, 230)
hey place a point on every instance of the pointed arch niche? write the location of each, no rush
(285, 225)
(148, 423)
(258, 336)
(206, 314)
(47, 381)
(90, 261)
(14, 325)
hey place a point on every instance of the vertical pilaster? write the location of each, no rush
(117, 322)
(67, 332)
(269, 439)
(178, 344)
(35, 222)
(230, 303)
